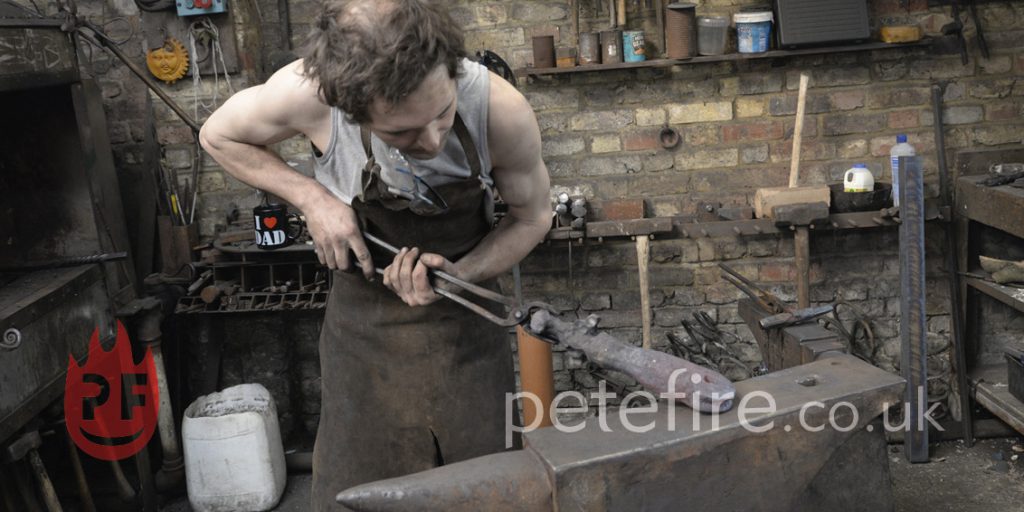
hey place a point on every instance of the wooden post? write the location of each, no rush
(643, 250)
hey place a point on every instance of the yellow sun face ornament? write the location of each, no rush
(169, 62)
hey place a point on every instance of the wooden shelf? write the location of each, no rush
(990, 389)
(1000, 207)
(662, 63)
(1013, 297)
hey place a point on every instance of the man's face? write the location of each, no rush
(419, 124)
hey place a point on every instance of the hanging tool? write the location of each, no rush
(956, 27)
(982, 44)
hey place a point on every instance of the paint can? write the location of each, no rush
(590, 48)
(680, 36)
(611, 46)
(633, 46)
(543, 51)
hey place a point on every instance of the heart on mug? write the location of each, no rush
(270, 222)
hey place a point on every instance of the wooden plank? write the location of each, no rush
(1013, 297)
(729, 57)
(635, 227)
(1000, 207)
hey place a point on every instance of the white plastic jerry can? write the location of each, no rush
(858, 179)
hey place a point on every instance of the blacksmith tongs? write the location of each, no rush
(519, 314)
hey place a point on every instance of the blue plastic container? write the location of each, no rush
(753, 31)
(633, 46)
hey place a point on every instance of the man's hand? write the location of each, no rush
(407, 275)
(335, 230)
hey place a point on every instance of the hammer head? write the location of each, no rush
(21, 446)
(803, 214)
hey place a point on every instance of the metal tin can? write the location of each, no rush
(543, 51)
(611, 46)
(590, 48)
(633, 46)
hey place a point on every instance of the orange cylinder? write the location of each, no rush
(535, 376)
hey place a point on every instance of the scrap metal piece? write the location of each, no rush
(754, 464)
(660, 373)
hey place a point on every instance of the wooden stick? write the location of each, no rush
(643, 250)
(798, 129)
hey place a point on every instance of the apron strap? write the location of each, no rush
(465, 140)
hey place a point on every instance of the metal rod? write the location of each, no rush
(101, 39)
(466, 285)
(68, 262)
(802, 258)
(914, 353)
(959, 350)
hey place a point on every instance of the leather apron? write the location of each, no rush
(406, 389)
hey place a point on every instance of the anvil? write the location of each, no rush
(754, 460)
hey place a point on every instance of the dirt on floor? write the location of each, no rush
(987, 477)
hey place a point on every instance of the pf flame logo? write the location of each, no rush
(98, 417)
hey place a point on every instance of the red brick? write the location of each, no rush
(752, 131)
(640, 141)
(1003, 112)
(775, 273)
(904, 119)
(622, 209)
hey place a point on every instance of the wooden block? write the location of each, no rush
(622, 209)
(900, 34)
(766, 198)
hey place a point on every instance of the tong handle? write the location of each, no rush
(465, 285)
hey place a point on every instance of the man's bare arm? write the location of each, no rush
(522, 180)
(236, 135)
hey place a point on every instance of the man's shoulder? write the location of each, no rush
(297, 96)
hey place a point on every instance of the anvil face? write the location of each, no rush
(751, 461)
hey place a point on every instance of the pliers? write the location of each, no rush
(519, 314)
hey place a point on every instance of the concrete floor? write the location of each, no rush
(958, 479)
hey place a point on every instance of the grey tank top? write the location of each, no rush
(342, 161)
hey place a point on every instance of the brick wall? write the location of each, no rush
(736, 122)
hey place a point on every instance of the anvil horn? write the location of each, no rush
(504, 481)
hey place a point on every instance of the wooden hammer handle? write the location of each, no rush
(798, 130)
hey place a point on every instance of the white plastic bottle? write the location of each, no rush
(902, 148)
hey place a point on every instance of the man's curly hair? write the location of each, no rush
(360, 50)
